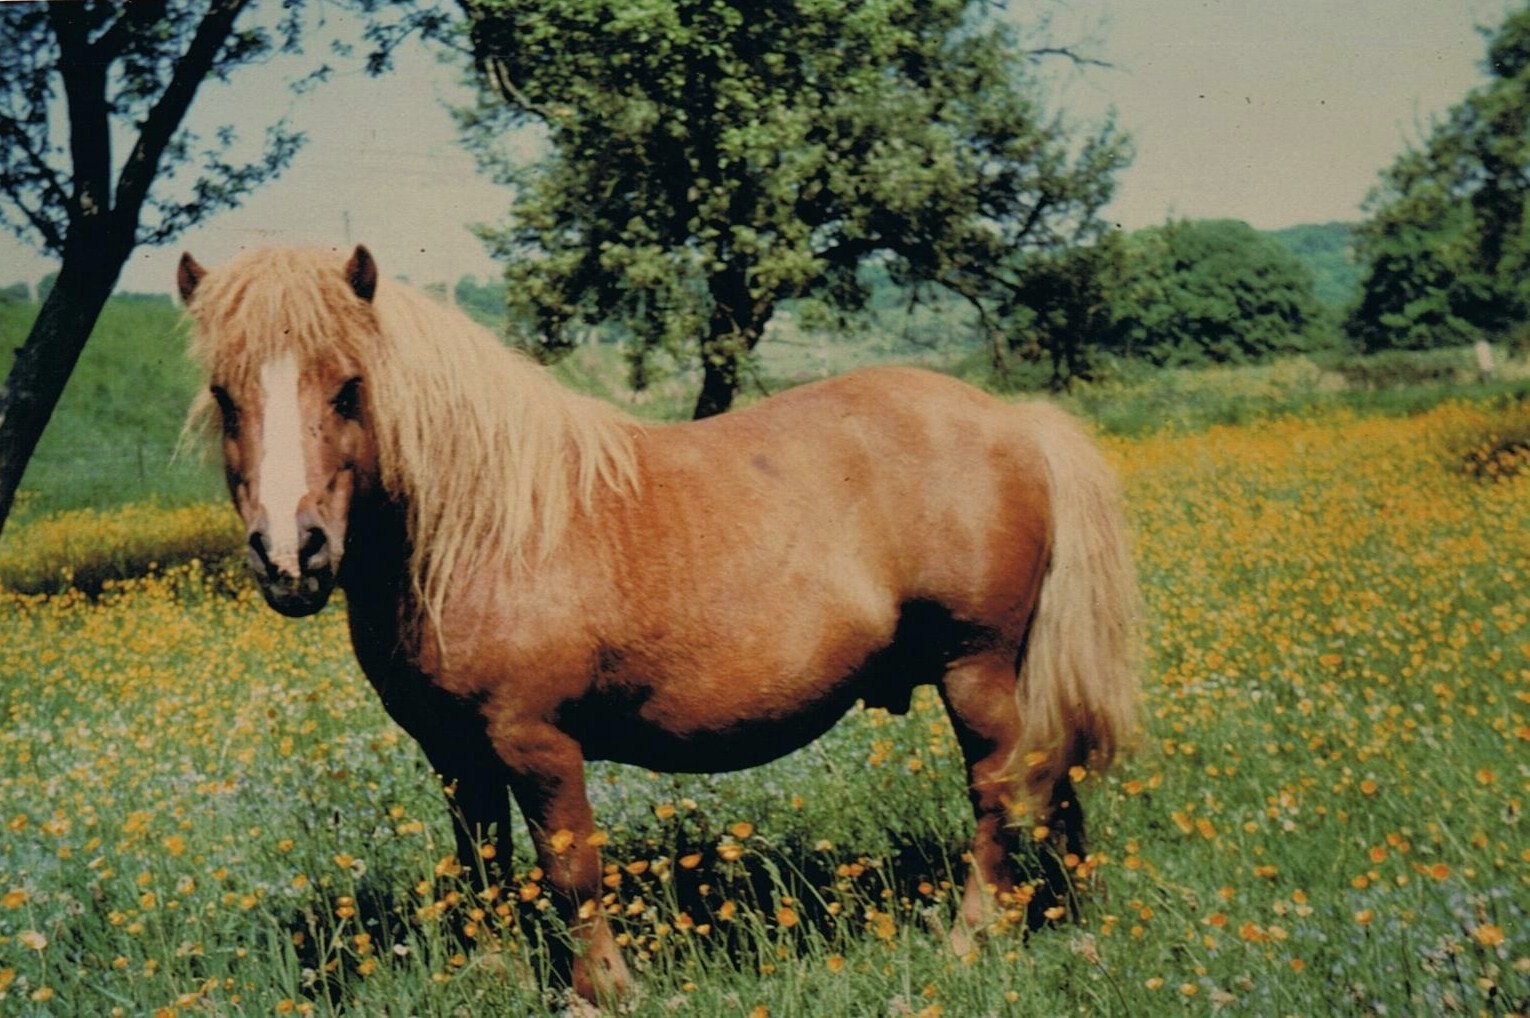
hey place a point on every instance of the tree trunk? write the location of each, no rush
(738, 322)
(47, 358)
(719, 380)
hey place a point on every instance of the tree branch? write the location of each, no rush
(44, 174)
(985, 320)
(89, 121)
(114, 40)
(1016, 289)
(848, 253)
(165, 116)
(1032, 218)
(1042, 52)
(499, 77)
(428, 21)
(494, 68)
(53, 237)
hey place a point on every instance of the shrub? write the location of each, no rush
(1212, 291)
(1394, 369)
(1491, 446)
(1185, 399)
(86, 549)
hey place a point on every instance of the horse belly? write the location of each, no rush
(739, 707)
(632, 737)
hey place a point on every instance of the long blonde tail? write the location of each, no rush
(1078, 690)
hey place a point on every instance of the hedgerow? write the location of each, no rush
(86, 549)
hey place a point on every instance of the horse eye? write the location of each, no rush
(228, 409)
(347, 402)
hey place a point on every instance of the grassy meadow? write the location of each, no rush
(203, 810)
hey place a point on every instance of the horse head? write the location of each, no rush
(297, 448)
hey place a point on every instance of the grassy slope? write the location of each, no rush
(1327, 249)
(112, 437)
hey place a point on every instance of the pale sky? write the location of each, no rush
(1278, 112)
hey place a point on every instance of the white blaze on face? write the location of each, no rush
(283, 480)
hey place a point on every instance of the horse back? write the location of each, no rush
(927, 485)
(798, 530)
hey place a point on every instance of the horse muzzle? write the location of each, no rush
(294, 583)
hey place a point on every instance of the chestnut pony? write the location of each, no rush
(534, 579)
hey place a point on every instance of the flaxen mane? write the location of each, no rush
(491, 456)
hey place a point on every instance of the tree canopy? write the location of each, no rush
(1446, 245)
(1328, 249)
(1211, 290)
(135, 68)
(711, 159)
(1067, 307)
(1188, 292)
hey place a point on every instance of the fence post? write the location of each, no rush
(1484, 354)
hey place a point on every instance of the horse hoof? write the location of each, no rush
(601, 980)
(963, 940)
(572, 1005)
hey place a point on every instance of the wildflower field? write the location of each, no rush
(204, 811)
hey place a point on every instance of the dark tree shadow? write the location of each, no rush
(827, 893)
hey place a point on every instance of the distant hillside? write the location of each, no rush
(1328, 250)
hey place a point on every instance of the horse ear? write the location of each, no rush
(361, 273)
(187, 275)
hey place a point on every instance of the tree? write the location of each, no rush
(110, 72)
(1066, 307)
(1446, 246)
(711, 159)
(1211, 290)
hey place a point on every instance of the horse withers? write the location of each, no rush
(534, 579)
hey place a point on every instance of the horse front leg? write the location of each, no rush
(453, 736)
(477, 796)
(547, 779)
(452, 733)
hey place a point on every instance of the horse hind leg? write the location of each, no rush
(1037, 819)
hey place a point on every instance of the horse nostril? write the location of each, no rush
(313, 554)
(260, 554)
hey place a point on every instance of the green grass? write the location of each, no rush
(1187, 400)
(113, 436)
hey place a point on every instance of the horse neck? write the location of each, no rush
(379, 596)
(375, 570)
